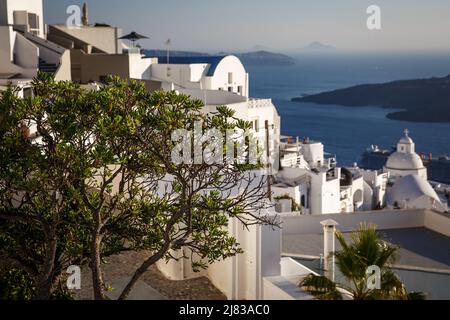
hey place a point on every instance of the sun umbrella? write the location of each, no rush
(133, 37)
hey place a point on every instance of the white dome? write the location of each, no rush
(404, 161)
(411, 188)
(406, 140)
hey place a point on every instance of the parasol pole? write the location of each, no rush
(168, 43)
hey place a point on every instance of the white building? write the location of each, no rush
(222, 73)
(405, 161)
(408, 177)
(414, 192)
(25, 13)
(96, 52)
(219, 81)
(310, 178)
(23, 47)
(374, 186)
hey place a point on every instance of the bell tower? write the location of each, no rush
(406, 144)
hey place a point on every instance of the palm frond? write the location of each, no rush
(321, 287)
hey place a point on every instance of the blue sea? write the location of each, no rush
(345, 131)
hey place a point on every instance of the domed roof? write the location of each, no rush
(406, 139)
(404, 161)
(410, 188)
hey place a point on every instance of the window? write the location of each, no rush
(230, 89)
(240, 89)
(27, 92)
(220, 89)
(230, 77)
(33, 23)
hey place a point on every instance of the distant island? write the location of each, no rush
(260, 58)
(318, 47)
(254, 58)
(421, 100)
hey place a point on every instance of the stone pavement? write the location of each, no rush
(122, 266)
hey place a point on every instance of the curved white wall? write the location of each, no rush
(230, 64)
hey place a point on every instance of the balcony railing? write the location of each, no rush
(259, 103)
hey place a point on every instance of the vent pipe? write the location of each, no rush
(329, 247)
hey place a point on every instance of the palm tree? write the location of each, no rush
(367, 249)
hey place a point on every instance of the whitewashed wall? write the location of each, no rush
(325, 196)
(104, 38)
(438, 222)
(32, 6)
(194, 76)
(230, 64)
(64, 72)
(139, 68)
(27, 54)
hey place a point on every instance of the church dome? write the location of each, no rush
(411, 188)
(406, 140)
(404, 161)
(405, 158)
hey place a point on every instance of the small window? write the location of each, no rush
(220, 89)
(27, 92)
(230, 77)
(33, 22)
(230, 89)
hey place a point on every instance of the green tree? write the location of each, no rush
(366, 249)
(41, 228)
(89, 174)
(200, 198)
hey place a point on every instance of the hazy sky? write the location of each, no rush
(211, 25)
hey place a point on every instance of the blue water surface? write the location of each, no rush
(347, 131)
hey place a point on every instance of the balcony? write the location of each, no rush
(259, 103)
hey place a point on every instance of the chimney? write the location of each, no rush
(329, 245)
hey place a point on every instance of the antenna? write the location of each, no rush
(168, 43)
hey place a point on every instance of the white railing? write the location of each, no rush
(259, 103)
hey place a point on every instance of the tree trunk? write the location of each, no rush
(153, 259)
(46, 279)
(43, 289)
(97, 277)
(139, 272)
